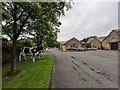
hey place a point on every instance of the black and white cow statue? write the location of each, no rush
(30, 51)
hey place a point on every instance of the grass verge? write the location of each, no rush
(31, 75)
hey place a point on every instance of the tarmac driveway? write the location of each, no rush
(85, 69)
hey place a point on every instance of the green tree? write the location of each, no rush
(15, 15)
(86, 39)
(47, 23)
(28, 42)
(36, 18)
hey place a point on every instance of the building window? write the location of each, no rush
(114, 38)
(74, 46)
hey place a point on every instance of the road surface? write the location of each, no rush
(85, 69)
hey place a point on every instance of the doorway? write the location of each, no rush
(114, 46)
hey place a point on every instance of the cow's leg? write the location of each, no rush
(33, 57)
(20, 56)
(39, 55)
(24, 56)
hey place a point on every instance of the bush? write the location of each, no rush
(6, 52)
(26, 42)
(7, 49)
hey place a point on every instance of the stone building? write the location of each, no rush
(97, 42)
(63, 45)
(72, 44)
(112, 41)
(88, 44)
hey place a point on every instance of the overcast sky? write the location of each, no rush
(88, 19)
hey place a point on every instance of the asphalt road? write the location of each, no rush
(85, 69)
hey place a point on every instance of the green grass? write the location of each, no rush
(31, 75)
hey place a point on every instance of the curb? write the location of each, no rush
(50, 82)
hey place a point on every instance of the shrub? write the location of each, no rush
(6, 52)
(26, 42)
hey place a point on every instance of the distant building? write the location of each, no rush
(112, 41)
(88, 44)
(83, 44)
(72, 44)
(97, 42)
(63, 45)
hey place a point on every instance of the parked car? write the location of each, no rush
(81, 49)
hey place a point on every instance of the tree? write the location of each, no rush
(28, 42)
(86, 39)
(47, 22)
(15, 15)
(19, 17)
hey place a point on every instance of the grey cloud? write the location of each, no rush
(89, 18)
